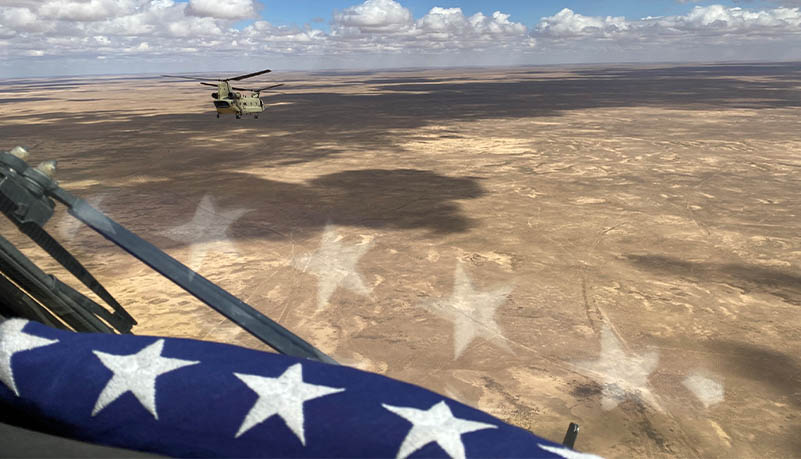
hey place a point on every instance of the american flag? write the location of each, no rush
(188, 398)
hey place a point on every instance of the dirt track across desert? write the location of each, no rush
(616, 246)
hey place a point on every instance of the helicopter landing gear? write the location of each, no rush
(218, 115)
(256, 116)
(237, 116)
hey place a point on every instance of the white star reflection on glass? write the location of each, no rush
(707, 390)
(206, 232)
(334, 265)
(622, 375)
(472, 312)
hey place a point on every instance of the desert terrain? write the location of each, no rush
(617, 246)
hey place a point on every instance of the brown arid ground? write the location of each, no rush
(617, 246)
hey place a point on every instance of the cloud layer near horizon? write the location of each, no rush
(131, 30)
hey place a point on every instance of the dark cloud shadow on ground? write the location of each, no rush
(36, 87)
(397, 198)
(614, 88)
(734, 70)
(393, 199)
(778, 372)
(70, 82)
(14, 100)
(749, 278)
(425, 101)
(776, 369)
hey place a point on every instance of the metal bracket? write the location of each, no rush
(570, 436)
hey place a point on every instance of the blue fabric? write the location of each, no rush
(201, 406)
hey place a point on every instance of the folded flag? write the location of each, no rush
(188, 398)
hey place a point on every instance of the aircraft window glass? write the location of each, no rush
(610, 245)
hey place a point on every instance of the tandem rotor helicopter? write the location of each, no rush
(227, 99)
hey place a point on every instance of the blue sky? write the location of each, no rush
(108, 36)
(301, 12)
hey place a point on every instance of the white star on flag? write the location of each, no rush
(12, 341)
(622, 375)
(334, 265)
(435, 424)
(284, 396)
(338, 412)
(472, 312)
(206, 231)
(136, 373)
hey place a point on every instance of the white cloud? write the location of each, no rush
(374, 16)
(451, 21)
(228, 9)
(567, 23)
(159, 18)
(383, 29)
(18, 20)
(711, 32)
(385, 26)
(134, 25)
(261, 35)
(717, 18)
(195, 28)
(701, 22)
(497, 24)
(87, 10)
(448, 20)
(22, 3)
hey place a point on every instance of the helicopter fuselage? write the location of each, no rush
(230, 102)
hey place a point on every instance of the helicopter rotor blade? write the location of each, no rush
(208, 84)
(257, 90)
(179, 76)
(249, 75)
(270, 87)
(236, 78)
(192, 78)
